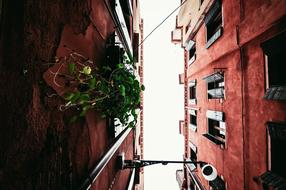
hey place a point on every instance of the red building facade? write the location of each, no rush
(234, 92)
(39, 147)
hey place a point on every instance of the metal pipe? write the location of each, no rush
(173, 162)
(131, 180)
(198, 183)
(143, 163)
(105, 159)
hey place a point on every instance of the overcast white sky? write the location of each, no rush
(163, 97)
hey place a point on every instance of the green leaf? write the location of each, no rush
(82, 113)
(75, 97)
(84, 98)
(136, 83)
(71, 68)
(69, 96)
(131, 80)
(114, 95)
(127, 100)
(120, 66)
(133, 112)
(86, 108)
(106, 68)
(122, 90)
(92, 83)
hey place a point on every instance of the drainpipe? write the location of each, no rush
(241, 53)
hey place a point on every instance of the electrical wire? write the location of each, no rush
(160, 24)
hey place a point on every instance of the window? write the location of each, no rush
(213, 21)
(191, 48)
(192, 55)
(277, 143)
(192, 92)
(216, 127)
(275, 58)
(193, 151)
(136, 37)
(123, 27)
(276, 177)
(118, 127)
(115, 127)
(215, 84)
(193, 155)
(193, 119)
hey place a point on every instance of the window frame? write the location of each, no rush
(192, 147)
(270, 139)
(122, 29)
(272, 47)
(211, 16)
(192, 91)
(271, 179)
(219, 117)
(191, 46)
(218, 81)
(193, 112)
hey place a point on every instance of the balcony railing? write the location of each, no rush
(105, 160)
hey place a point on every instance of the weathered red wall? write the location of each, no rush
(222, 55)
(254, 30)
(112, 177)
(245, 24)
(39, 149)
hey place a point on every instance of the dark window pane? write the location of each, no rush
(193, 120)
(193, 92)
(214, 25)
(192, 52)
(276, 93)
(278, 164)
(270, 180)
(215, 89)
(214, 128)
(277, 69)
(193, 155)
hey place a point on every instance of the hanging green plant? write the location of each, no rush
(113, 91)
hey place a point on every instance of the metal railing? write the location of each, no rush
(131, 180)
(105, 160)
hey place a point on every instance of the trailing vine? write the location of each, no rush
(114, 90)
